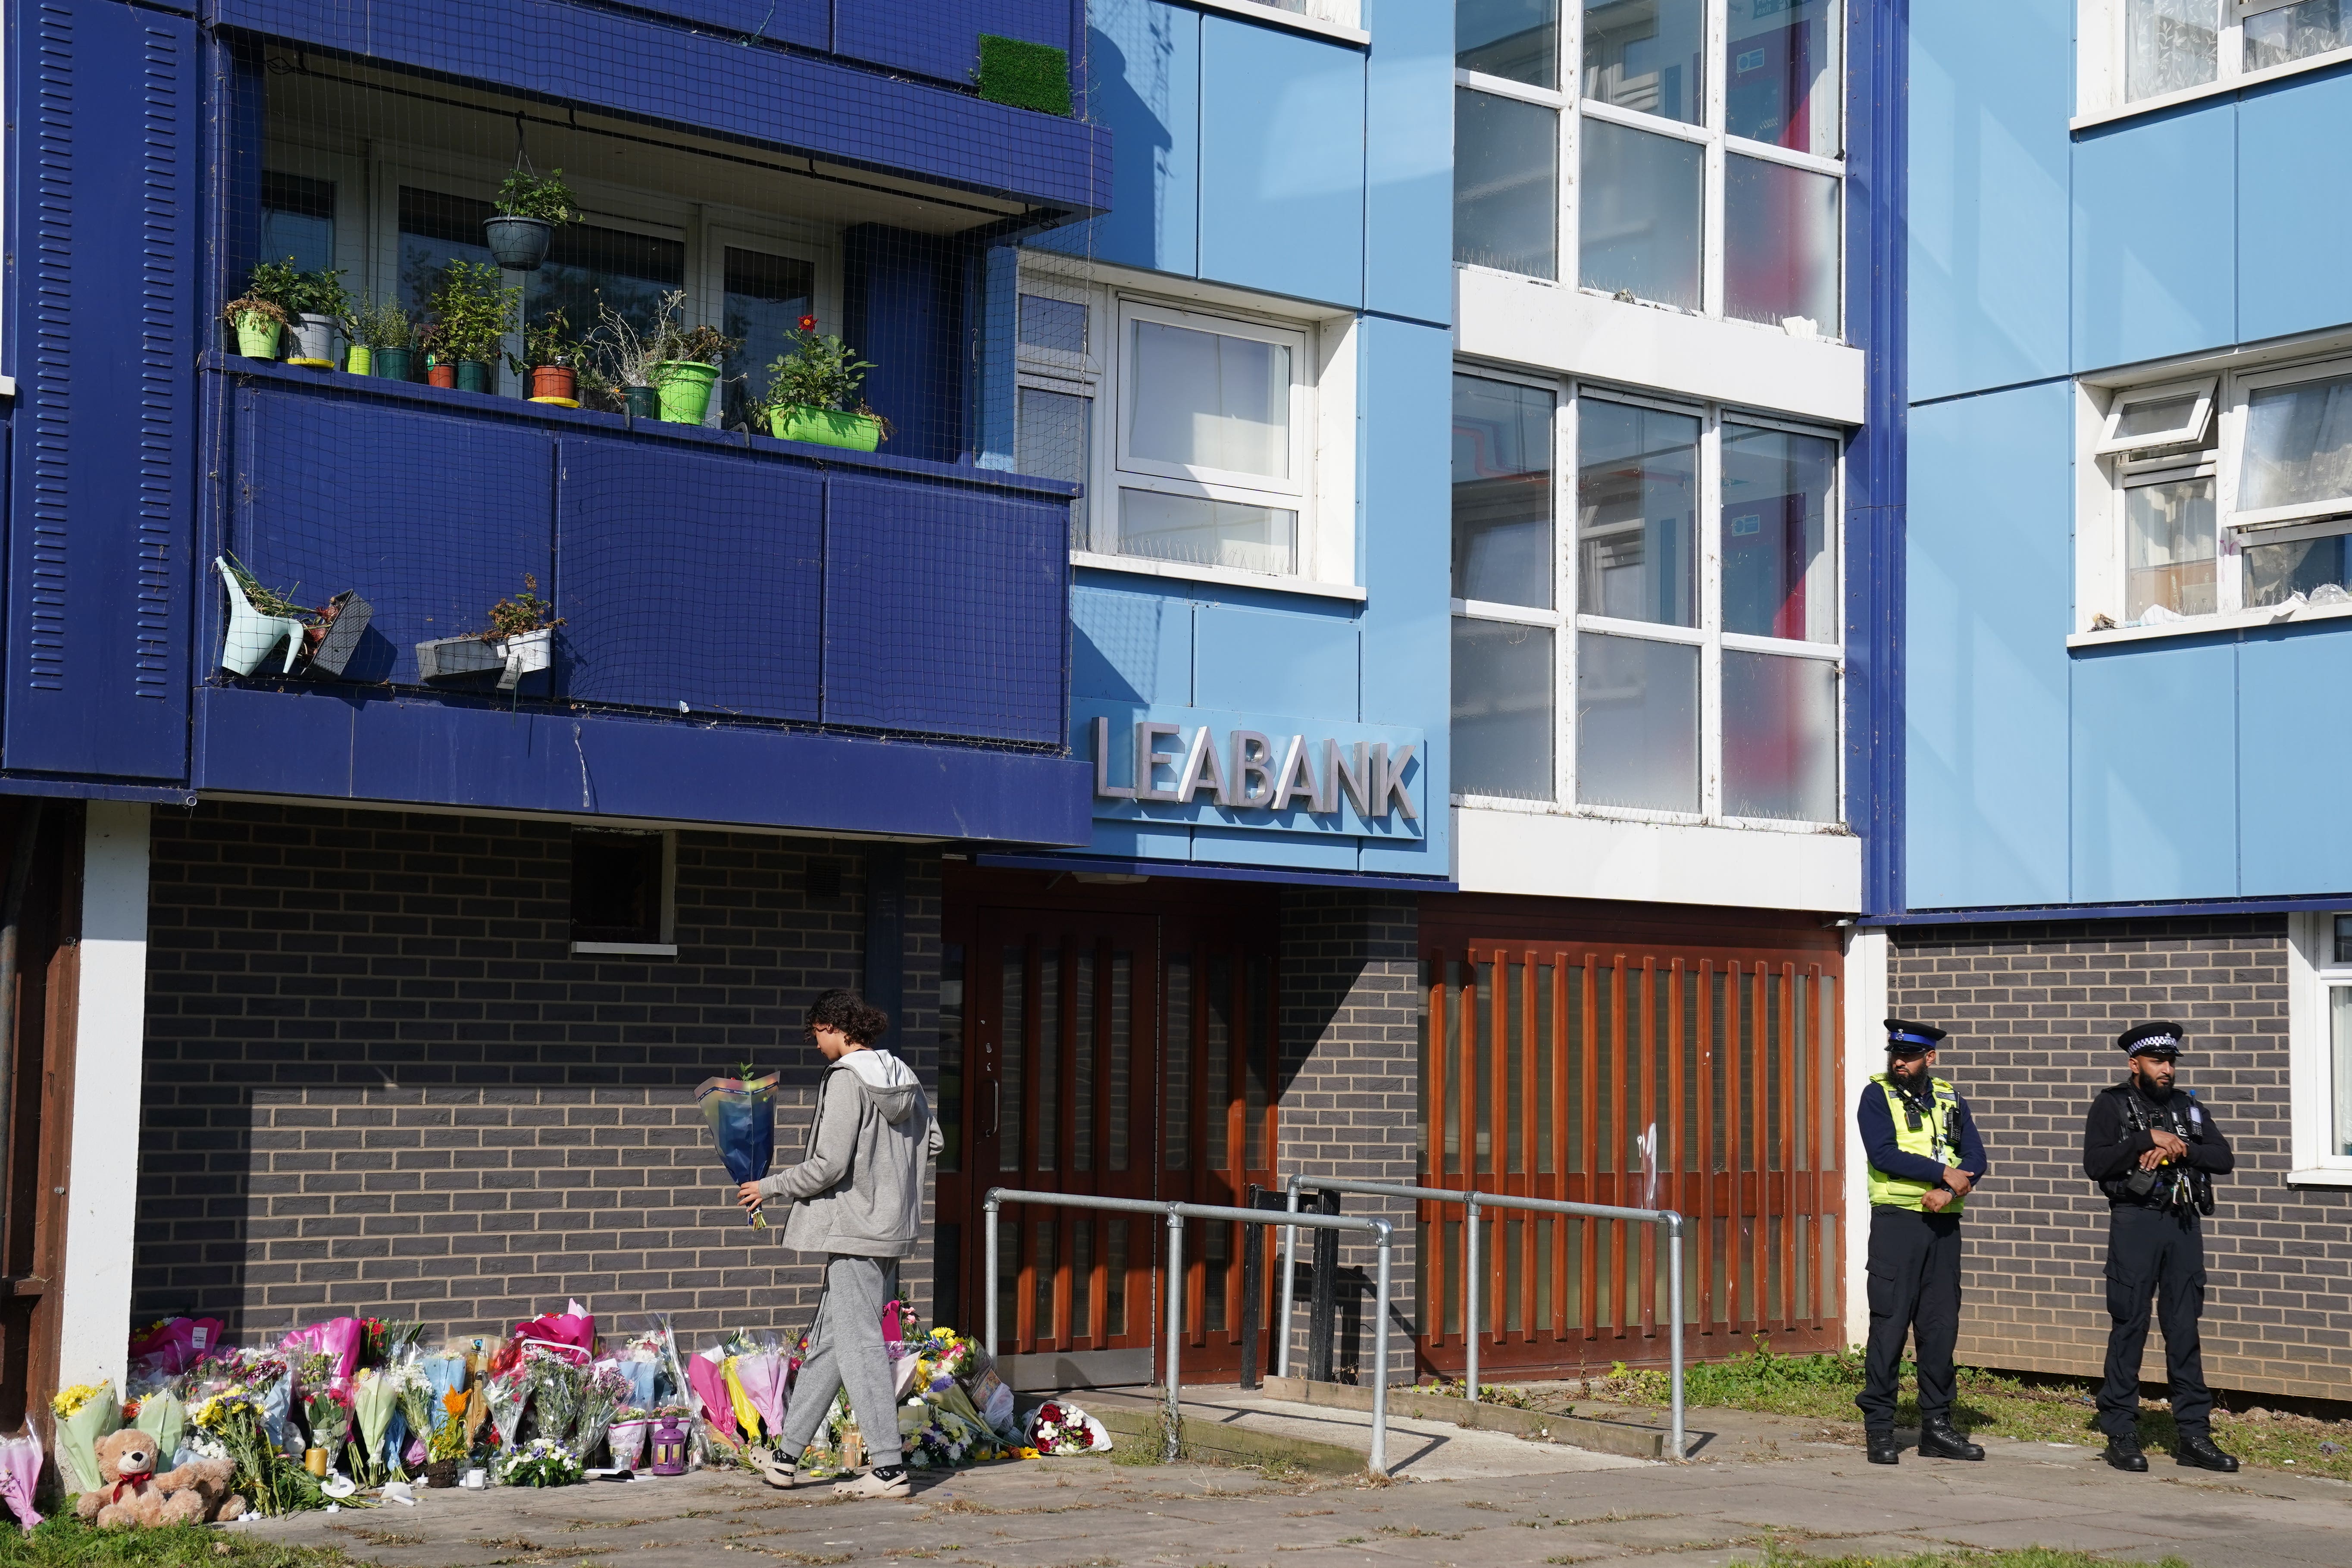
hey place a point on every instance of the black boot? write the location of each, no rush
(1938, 1441)
(2195, 1451)
(1884, 1449)
(2124, 1454)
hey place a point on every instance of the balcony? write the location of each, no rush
(752, 630)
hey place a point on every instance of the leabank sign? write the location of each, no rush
(1202, 768)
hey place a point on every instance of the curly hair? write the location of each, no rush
(847, 1011)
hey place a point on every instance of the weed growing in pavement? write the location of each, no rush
(2015, 1557)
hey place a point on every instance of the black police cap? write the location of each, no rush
(1906, 1039)
(2157, 1038)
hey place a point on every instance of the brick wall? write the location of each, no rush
(378, 1082)
(2034, 1011)
(1351, 1067)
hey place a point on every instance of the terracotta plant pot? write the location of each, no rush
(554, 381)
(441, 375)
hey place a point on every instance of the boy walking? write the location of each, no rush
(856, 1197)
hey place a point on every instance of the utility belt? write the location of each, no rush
(2169, 1189)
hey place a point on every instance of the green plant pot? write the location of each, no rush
(859, 432)
(685, 390)
(643, 402)
(396, 364)
(257, 337)
(473, 375)
(361, 360)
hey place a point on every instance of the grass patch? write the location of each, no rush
(70, 1543)
(2015, 1557)
(1822, 1387)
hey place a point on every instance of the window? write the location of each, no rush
(2158, 48)
(1680, 653)
(623, 897)
(1710, 173)
(2319, 1028)
(2247, 512)
(298, 220)
(1194, 432)
(763, 296)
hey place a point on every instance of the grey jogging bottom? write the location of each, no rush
(845, 1351)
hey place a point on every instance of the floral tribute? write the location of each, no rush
(544, 1462)
(1058, 1426)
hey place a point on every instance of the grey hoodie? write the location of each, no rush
(860, 1189)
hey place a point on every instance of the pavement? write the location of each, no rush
(1487, 1501)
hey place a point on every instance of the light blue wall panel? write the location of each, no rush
(2292, 238)
(2293, 749)
(1989, 598)
(1282, 162)
(2149, 278)
(1130, 645)
(1298, 852)
(1272, 661)
(1403, 440)
(1140, 841)
(1992, 83)
(2156, 778)
(1409, 160)
(1143, 80)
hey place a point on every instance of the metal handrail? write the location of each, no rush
(1176, 1214)
(1472, 1202)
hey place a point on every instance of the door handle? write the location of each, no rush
(995, 1107)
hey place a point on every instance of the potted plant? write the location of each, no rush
(688, 369)
(472, 315)
(547, 368)
(631, 359)
(383, 339)
(529, 205)
(520, 641)
(273, 292)
(259, 616)
(319, 302)
(813, 395)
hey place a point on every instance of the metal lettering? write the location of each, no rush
(1203, 768)
(1104, 788)
(1295, 780)
(1252, 779)
(1346, 771)
(1388, 781)
(1148, 758)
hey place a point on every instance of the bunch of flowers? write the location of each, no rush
(327, 1411)
(602, 1396)
(450, 1436)
(233, 1423)
(556, 1388)
(235, 1370)
(545, 1463)
(384, 1339)
(415, 1412)
(85, 1412)
(1060, 1427)
(947, 1353)
(505, 1394)
(936, 1437)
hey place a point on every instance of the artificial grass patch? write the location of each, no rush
(1025, 74)
(65, 1542)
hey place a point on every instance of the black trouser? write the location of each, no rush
(2150, 1251)
(1915, 1285)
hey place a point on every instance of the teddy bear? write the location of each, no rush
(130, 1492)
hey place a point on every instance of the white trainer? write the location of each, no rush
(868, 1484)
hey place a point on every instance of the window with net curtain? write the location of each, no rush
(1215, 407)
(2170, 45)
(2297, 454)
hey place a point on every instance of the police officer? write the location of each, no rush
(2154, 1149)
(1925, 1157)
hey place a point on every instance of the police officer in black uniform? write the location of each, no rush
(2155, 1150)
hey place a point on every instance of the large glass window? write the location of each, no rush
(298, 220)
(1693, 664)
(1708, 142)
(766, 295)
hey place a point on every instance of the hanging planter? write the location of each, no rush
(520, 641)
(529, 206)
(519, 244)
(332, 642)
(445, 657)
(826, 427)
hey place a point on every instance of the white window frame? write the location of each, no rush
(1565, 621)
(1571, 109)
(2311, 970)
(2100, 27)
(2187, 430)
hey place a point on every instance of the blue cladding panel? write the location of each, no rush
(1272, 661)
(2155, 792)
(99, 577)
(1405, 388)
(689, 578)
(1298, 851)
(1992, 83)
(632, 65)
(942, 37)
(1143, 66)
(431, 517)
(1409, 160)
(2144, 286)
(945, 611)
(1988, 608)
(417, 750)
(2287, 741)
(807, 23)
(2291, 247)
(903, 307)
(1282, 162)
(1131, 645)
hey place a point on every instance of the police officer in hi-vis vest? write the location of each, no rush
(2154, 1149)
(1925, 1157)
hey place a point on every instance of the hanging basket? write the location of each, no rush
(519, 244)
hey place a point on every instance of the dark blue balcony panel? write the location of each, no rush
(402, 749)
(700, 576)
(630, 63)
(939, 37)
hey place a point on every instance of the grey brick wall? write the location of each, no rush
(378, 1082)
(1350, 1071)
(2034, 1011)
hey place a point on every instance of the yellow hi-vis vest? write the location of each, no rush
(1938, 1138)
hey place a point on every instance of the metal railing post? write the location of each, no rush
(1470, 1289)
(1290, 1281)
(1171, 1444)
(988, 1285)
(1379, 1460)
(1675, 1300)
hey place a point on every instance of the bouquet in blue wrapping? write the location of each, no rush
(743, 1116)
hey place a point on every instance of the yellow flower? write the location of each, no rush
(1024, 1453)
(67, 1400)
